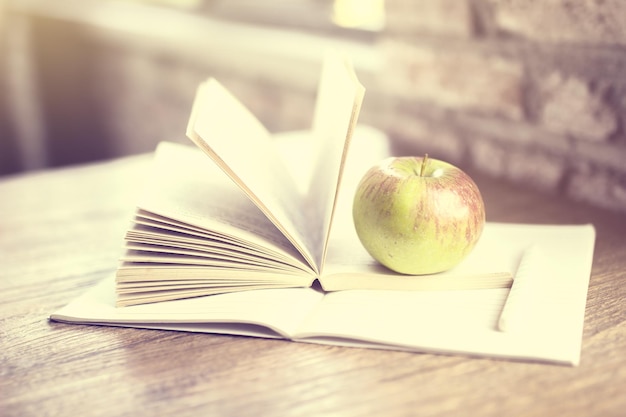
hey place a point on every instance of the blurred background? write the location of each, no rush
(531, 91)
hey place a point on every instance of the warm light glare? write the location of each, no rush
(362, 14)
(183, 4)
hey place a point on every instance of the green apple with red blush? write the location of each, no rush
(418, 215)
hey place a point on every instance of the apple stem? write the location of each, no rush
(424, 161)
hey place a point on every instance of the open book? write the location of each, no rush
(544, 308)
(248, 219)
(244, 246)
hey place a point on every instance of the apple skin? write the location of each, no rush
(418, 215)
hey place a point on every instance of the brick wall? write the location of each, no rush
(533, 91)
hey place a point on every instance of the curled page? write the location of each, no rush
(239, 144)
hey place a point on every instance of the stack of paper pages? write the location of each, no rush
(240, 242)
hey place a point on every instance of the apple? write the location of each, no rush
(418, 215)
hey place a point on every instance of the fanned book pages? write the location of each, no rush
(257, 239)
(246, 218)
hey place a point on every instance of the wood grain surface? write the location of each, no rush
(61, 232)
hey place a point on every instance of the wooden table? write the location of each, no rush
(61, 231)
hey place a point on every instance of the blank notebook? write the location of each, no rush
(539, 318)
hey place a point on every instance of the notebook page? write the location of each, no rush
(466, 321)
